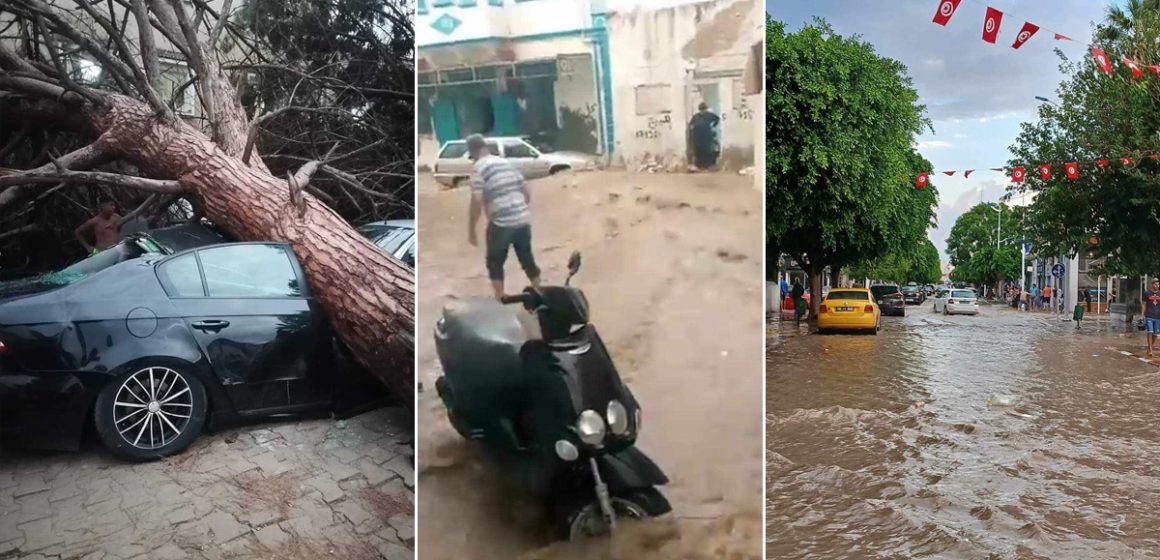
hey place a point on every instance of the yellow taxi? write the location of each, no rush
(849, 309)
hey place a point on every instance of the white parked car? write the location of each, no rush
(950, 302)
(454, 166)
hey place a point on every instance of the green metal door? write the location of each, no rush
(446, 122)
(503, 107)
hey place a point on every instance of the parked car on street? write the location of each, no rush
(163, 335)
(454, 166)
(889, 299)
(396, 237)
(913, 295)
(849, 309)
(952, 302)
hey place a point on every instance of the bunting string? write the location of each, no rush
(1017, 174)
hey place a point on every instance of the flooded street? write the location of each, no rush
(1007, 435)
(670, 268)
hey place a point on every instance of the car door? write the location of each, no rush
(525, 158)
(250, 310)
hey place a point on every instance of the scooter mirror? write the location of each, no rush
(574, 262)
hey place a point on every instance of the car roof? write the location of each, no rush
(410, 224)
(849, 290)
(176, 239)
(486, 138)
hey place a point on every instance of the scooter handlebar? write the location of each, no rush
(518, 298)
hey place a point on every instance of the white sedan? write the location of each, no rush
(950, 302)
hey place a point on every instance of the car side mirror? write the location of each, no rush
(574, 262)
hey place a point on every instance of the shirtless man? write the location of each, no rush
(104, 228)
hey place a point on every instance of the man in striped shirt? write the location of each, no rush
(499, 190)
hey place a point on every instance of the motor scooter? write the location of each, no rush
(548, 408)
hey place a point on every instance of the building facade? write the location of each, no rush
(577, 75)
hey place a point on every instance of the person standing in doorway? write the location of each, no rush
(500, 192)
(1150, 309)
(1087, 298)
(703, 130)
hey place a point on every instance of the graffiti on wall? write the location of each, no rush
(655, 127)
(578, 129)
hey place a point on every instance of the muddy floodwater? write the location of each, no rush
(671, 269)
(1007, 435)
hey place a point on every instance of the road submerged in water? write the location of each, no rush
(1005, 435)
(671, 269)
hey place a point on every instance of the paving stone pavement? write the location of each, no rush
(293, 490)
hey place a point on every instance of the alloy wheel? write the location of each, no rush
(152, 407)
(590, 521)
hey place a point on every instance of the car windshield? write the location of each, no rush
(119, 253)
(849, 294)
(963, 294)
(883, 289)
(539, 144)
(910, 289)
(452, 150)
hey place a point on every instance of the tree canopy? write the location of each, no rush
(971, 244)
(1101, 117)
(840, 162)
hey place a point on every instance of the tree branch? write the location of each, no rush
(113, 179)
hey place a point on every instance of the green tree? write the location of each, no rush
(839, 158)
(1101, 117)
(972, 242)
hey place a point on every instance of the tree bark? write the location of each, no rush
(815, 272)
(367, 295)
(835, 275)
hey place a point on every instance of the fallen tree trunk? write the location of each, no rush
(367, 294)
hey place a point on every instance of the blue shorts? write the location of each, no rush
(1153, 325)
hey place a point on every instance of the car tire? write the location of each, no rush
(175, 390)
(458, 182)
(559, 169)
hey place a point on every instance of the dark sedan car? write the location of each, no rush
(889, 299)
(913, 295)
(160, 336)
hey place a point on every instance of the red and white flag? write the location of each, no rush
(1017, 174)
(946, 9)
(1062, 37)
(1154, 156)
(967, 173)
(991, 25)
(1045, 171)
(1102, 60)
(1072, 170)
(1102, 162)
(1025, 34)
(1136, 71)
(922, 180)
(1126, 161)
(949, 173)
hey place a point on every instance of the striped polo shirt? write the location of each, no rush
(502, 187)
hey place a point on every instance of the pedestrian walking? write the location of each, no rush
(1087, 299)
(1033, 301)
(499, 191)
(1150, 309)
(799, 303)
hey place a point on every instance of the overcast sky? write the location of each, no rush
(976, 93)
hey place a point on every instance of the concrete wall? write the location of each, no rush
(577, 110)
(666, 61)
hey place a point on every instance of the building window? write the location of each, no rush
(422, 7)
(442, 3)
(652, 99)
(497, 3)
(467, 3)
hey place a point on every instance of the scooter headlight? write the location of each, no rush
(591, 427)
(617, 418)
(566, 451)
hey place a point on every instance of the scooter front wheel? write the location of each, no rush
(585, 518)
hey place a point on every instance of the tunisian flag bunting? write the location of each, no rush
(946, 9)
(1045, 171)
(1126, 161)
(1017, 174)
(967, 173)
(1062, 37)
(922, 180)
(1072, 170)
(991, 25)
(949, 173)
(1025, 34)
(1102, 162)
(1136, 71)
(1102, 60)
